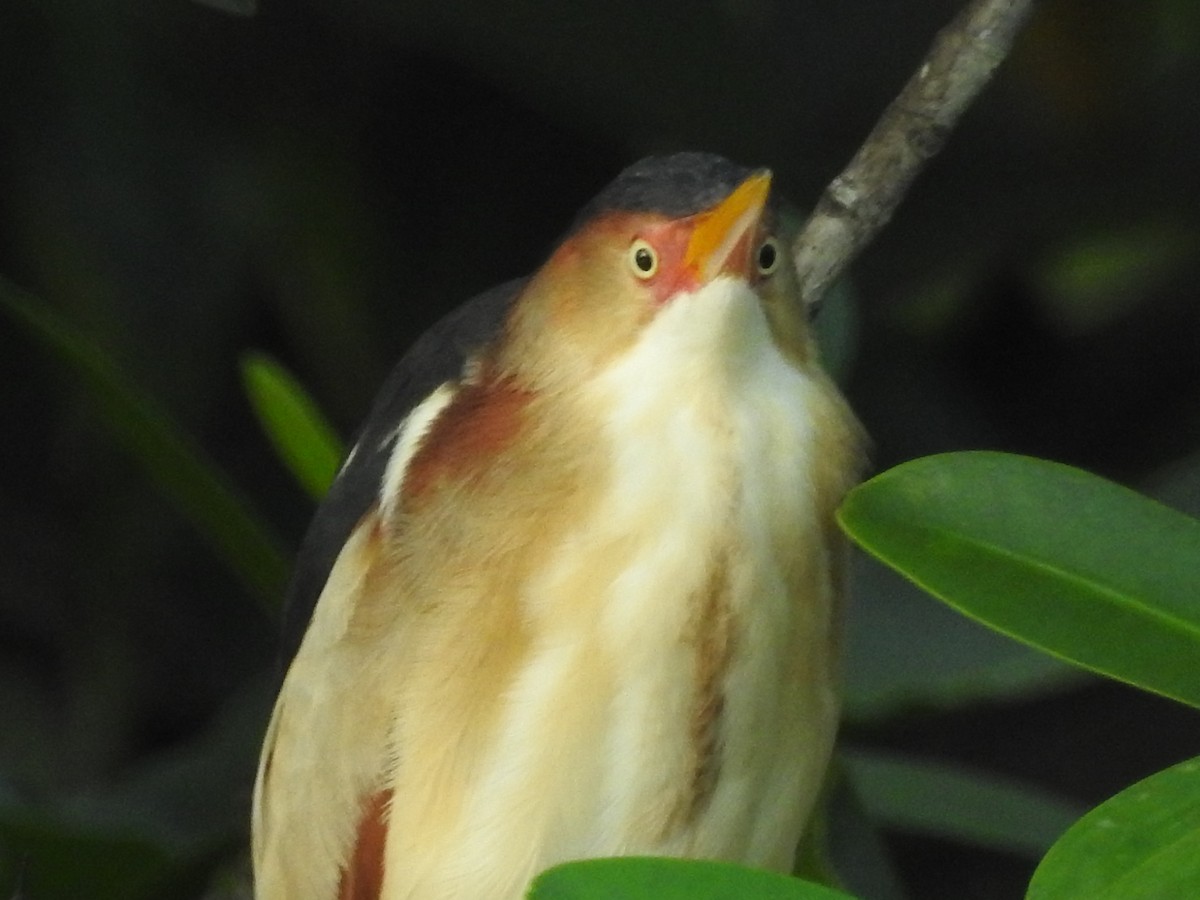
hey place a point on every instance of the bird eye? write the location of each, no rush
(643, 259)
(768, 256)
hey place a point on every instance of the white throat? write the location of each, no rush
(710, 435)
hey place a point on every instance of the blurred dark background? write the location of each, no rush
(180, 185)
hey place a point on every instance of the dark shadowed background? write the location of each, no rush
(320, 181)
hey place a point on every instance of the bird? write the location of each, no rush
(576, 591)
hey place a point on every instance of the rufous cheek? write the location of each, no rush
(672, 282)
(673, 276)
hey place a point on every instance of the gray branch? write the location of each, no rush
(861, 200)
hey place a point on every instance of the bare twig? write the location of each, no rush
(861, 200)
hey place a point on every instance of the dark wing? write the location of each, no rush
(436, 357)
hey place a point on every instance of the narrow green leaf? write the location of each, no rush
(1062, 560)
(176, 465)
(958, 803)
(862, 863)
(304, 440)
(1143, 844)
(652, 878)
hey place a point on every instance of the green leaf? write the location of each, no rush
(652, 878)
(1094, 279)
(193, 796)
(304, 440)
(971, 807)
(1063, 560)
(862, 863)
(947, 660)
(1143, 843)
(55, 860)
(176, 465)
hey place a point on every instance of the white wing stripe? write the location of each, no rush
(407, 441)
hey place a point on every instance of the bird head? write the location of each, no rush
(690, 237)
